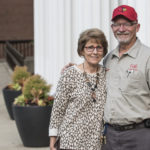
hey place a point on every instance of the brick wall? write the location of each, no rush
(16, 19)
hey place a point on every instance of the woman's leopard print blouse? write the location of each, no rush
(75, 117)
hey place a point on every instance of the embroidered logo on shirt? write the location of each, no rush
(133, 67)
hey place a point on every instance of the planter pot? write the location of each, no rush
(32, 123)
(9, 97)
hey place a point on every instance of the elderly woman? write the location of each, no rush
(76, 118)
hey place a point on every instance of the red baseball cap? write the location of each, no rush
(126, 11)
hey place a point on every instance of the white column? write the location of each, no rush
(113, 42)
(123, 2)
(58, 24)
(38, 36)
(67, 32)
(144, 20)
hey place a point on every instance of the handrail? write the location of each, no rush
(15, 53)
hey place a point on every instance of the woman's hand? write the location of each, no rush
(53, 148)
(52, 142)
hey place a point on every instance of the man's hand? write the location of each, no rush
(67, 66)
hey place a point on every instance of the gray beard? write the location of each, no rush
(123, 42)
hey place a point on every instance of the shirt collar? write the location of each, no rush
(133, 51)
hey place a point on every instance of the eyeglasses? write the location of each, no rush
(92, 48)
(126, 25)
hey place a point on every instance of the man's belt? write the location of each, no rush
(145, 123)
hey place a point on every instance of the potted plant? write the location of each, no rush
(32, 112)
(11, 91)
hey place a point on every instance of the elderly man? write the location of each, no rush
(127, 109)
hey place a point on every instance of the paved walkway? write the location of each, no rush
(9, 136)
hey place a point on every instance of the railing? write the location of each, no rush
(20, 53)
(25, 47)
(2, 46)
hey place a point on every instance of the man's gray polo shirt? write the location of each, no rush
(128, 85)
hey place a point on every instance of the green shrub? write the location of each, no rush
(19, 76)
(20, 100)
(35, 92)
